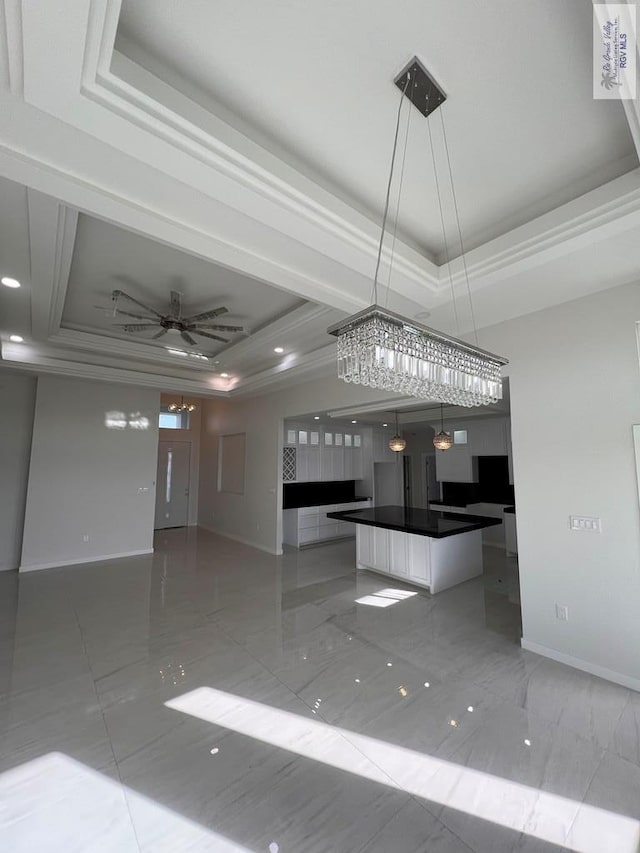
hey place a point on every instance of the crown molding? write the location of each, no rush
(326, 212)
(11, 38)
(606, 210)
(21, 358)
(313, 364)
(275, 332)
(52, 233)
(87, 339)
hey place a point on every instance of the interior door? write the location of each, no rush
(408, 481)
(172, 484)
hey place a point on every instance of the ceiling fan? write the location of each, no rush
(196, 324)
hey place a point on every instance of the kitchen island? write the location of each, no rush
(432, 549)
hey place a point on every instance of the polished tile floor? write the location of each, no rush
(214, 698)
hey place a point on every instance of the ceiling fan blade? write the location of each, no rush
(120, 294)
(135, 327)
(137, 316)
(220, 328)
(160, 334)
(206, 315)
(187, 337)
(176, 304)
(209, 335)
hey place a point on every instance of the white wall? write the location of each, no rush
(85, 477)
(575, 393)
(17, 401)
(192, 437)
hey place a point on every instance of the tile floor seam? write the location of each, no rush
(123, 787)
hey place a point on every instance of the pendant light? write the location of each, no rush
(181, 406)
(397, 443)
(442, 441)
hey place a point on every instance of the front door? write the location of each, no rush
(172, 484)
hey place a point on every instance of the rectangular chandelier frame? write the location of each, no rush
(381, 349)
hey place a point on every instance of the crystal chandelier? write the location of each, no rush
(380, 349)
(181, 406)
(397, 443)
(442, 441)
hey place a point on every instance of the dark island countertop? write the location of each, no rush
(424, 522)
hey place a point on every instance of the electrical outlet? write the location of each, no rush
(562, 612)
(585, 523)
(85, 538)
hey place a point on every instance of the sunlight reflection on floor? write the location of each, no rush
(546, 816)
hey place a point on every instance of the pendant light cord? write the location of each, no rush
(455, 207)
(374, 294)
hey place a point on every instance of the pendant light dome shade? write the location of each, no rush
(397, 443)
(442, 441)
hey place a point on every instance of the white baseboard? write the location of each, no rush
(241, 539)
(585, 666)
(100, 559)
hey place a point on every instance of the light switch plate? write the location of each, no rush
(585, 523)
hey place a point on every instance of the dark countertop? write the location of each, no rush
(424, 522)
(450, 503)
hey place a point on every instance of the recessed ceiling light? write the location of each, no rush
(385, 424)
(278, 349)
(316, 417)
(354, 422)
(423, 315)
(17, 339)
(224, 375)
(10, 282)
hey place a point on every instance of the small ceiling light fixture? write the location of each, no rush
(224, 375)
(442, 441)
(385, 425)
(181, 406)
(354, 422)
(397, 443)
(381, 349)
(279, 350)
(10, 282)
(316, 417)
(17, 339)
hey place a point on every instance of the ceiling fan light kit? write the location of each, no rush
(381, 349)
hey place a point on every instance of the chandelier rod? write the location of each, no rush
(447, 253)
(455, 207)
(386, 203)
(395, 223)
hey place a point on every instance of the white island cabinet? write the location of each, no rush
(431, 549)
(436, 564)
